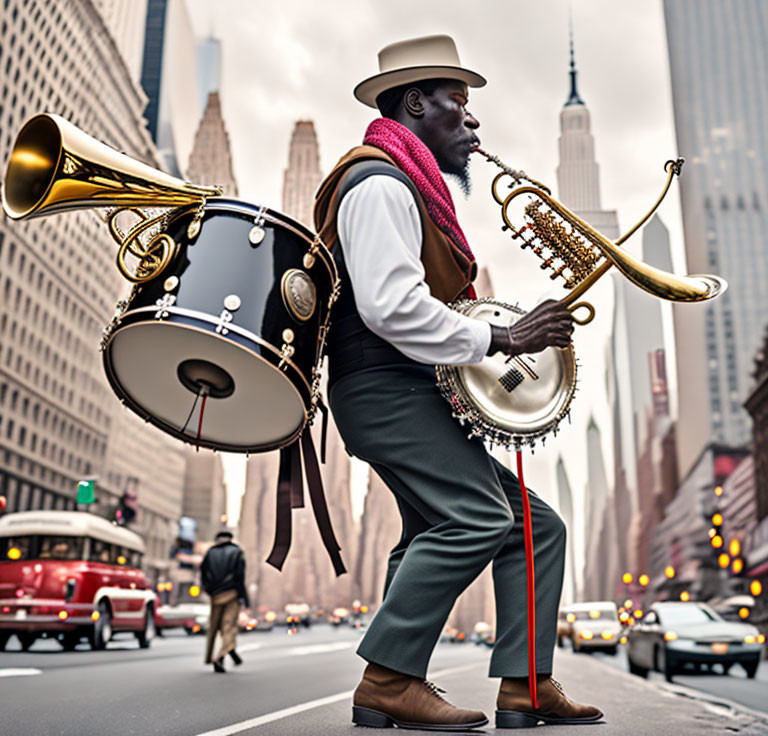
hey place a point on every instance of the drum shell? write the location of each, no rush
(222, 264)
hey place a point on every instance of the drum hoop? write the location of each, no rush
(205, 317)
(141, 411)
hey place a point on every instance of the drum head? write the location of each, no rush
(251, 406)
(528, 399)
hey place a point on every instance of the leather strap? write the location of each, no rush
(317, 496)
(282, 541)
(290, 496)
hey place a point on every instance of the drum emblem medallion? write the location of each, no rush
(299, 294)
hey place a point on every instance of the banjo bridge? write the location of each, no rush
(511, 379)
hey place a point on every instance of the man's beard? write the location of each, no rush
(462, 179)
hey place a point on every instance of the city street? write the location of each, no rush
(302, 684)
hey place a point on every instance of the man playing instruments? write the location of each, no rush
(387, 214)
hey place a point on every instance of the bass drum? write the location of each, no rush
(221, 350)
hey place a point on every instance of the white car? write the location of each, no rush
(674, 634)
(594, 625)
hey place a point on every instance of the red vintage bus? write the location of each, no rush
(70, 574)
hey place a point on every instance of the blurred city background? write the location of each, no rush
(662, 473)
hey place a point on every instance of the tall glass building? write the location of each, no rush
(718, 56)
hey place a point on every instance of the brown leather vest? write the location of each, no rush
(448, 272)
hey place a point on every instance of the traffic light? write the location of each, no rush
(125, 513)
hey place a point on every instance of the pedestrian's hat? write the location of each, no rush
(414, 60)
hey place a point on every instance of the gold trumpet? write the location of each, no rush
(574, 251)
(55, 167)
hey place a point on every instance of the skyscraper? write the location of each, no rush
(169, 77)
(208, 69)
(578, 174)
(59, 421)
(565, 508)
(302, 175)
(718, 57)
(211, 159)
(579, 190)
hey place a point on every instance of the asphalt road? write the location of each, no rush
(301, 685)
(734, 686)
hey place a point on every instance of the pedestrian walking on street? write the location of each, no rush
(223, 577)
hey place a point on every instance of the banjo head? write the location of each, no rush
(514, 401)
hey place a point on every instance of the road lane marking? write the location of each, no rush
(320, 648)
(20, 672)
(250, 647)
(319, 703)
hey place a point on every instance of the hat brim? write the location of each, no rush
(368, 90)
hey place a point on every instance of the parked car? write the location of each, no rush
(674, 635)
(69, 575)
(594, 625)
(247, 620)
(192, 617)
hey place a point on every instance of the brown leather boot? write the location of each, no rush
(515, 711)
(385, 698)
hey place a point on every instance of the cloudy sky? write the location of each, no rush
(285, 60)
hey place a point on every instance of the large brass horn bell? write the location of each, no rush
(55, 167)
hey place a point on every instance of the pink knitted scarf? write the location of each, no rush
(418, 163)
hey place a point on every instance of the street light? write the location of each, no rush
(717, 541)
(626, 578)
(669, 571)
(718, 490)
(717, 519)
(755, 587)
(643, 580)
(685, 596)
(724, 560)
(744, 612)
(734, 547)
(738, 565)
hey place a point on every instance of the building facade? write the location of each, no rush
(59, 421)
(718, 56)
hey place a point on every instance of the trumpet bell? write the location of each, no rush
(56, 167)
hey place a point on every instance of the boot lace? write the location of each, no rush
(436, 691)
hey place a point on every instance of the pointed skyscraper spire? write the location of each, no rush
(573, 98)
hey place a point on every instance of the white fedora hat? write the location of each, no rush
(426, 57)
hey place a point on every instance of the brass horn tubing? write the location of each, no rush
(56, 167)
(672, 167)
(653, 280)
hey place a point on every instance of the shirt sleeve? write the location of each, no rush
(379, 229)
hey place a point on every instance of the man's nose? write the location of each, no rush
(471, 121)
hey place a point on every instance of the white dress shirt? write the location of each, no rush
(379, 230)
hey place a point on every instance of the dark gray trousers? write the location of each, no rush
(461, 510)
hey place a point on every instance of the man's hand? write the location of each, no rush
(550, 324)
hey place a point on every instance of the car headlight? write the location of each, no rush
(607, 635)
(585, 634)
(670, 636)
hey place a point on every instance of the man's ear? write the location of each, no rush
(413, 102)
